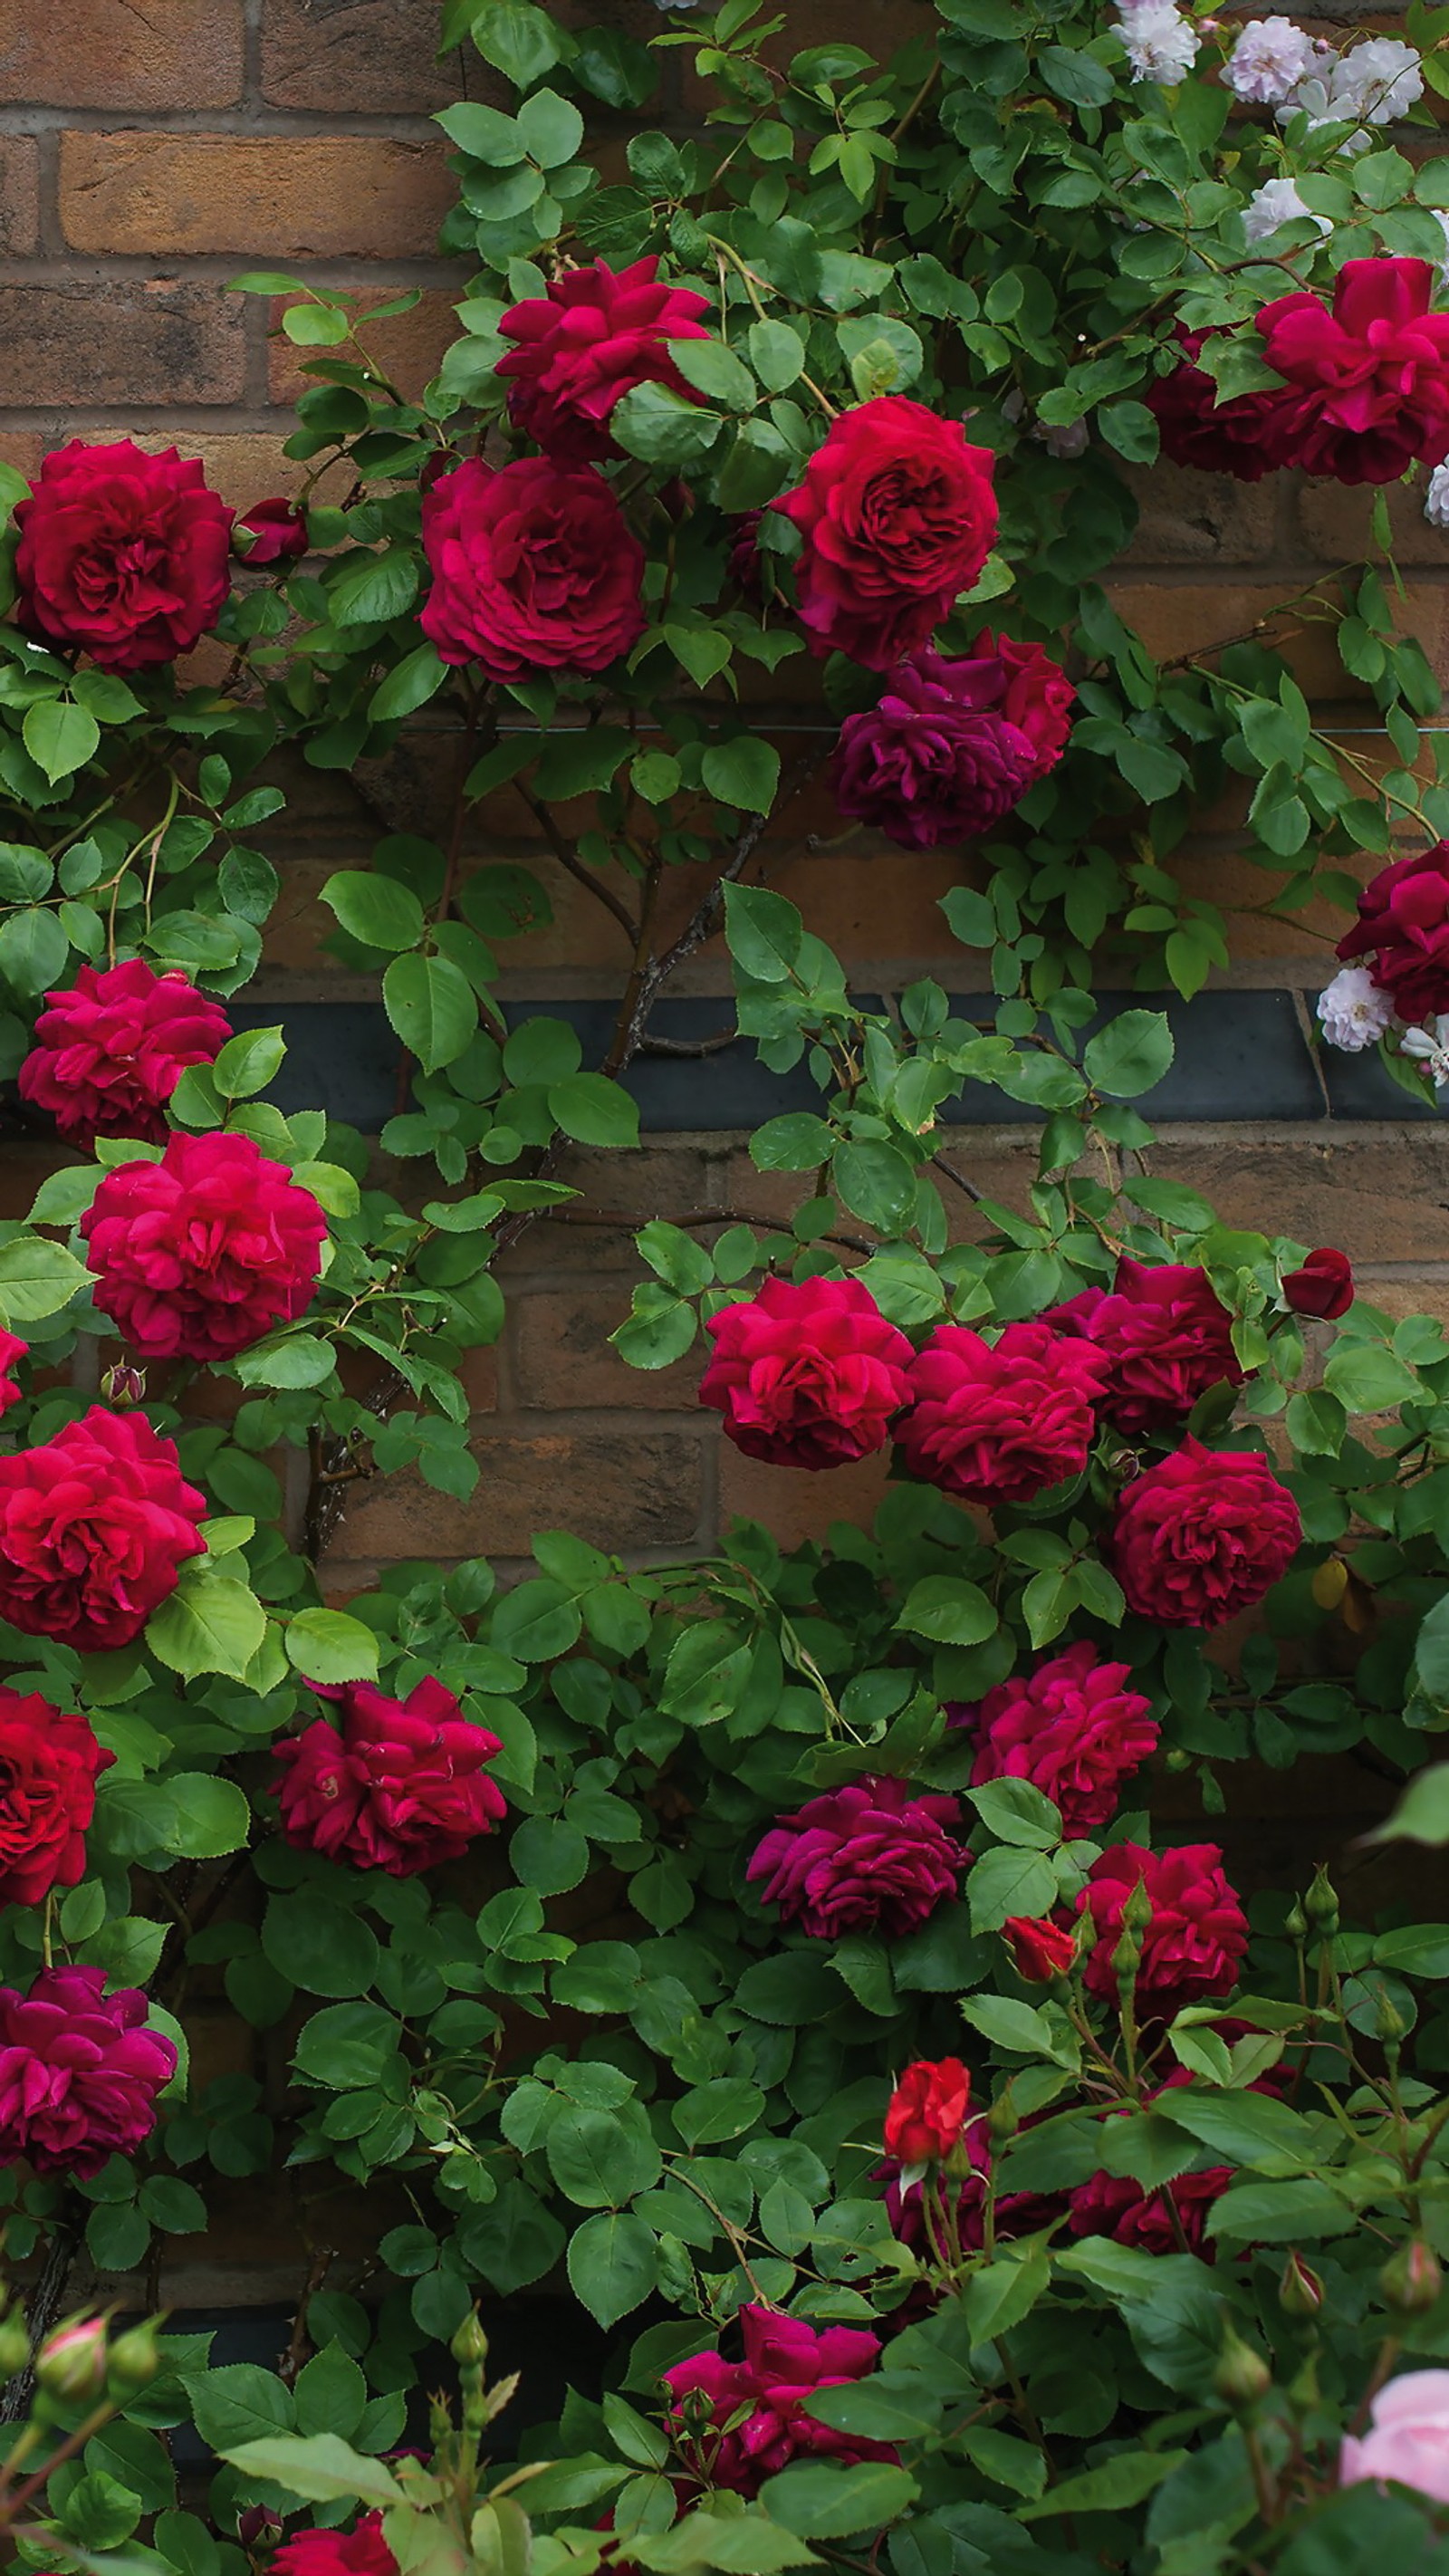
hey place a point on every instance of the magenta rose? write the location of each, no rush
(95, 1526)
(897, 514)
(1165, 1336)
(1244, 436)
(1202, 1535)
(109, 1051)
(122, 556)
(1370, 377)
(1407, 2439)
(49, 1764)
(397, 1785)
(1323, 1287)
(807, 1375)
(12, 1351)
(588, 340)
(753, 2423)
(362, 2551)
(199, 1255)
(865, 1858)
(1403, 929)
(276, 530)
(937, 759)
(533, 569)
(1197, 1935)
(79, 2073)
(1074, 1728)
(996, 1422)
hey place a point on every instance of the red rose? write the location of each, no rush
(79, 2073)
(1243, 436)
(532, 570)
(1039, 1951)
(937, 759)
(806, 1376)
(868, 1857)
(999, 1422)
(108, 1052)
(122, 555)
(1112, 2205)
(1403, 925)
(397, 1785)
(1074, 1728)
(1202, 1535)
(95, 1526)
(1038, 698)
(1323, 1287)
(199, 1255)
(277, 529)
(49, 1764)
(1197, 1934)
(586, 342)
(12, 1350)
(927, 2111)
(898, 515)
(1016, 2213)
(1166, 1338)
(753, 2410)
(362, 2551)
(1371, 378)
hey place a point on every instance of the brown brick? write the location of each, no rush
(407, 347)
(114, 53)
(659, 1180)
(1189, 517)
(1178, 618)
(244, 466)
(89, 342)
(1334, 522)
(793, 1503)
(1377, 1192)
(264, 196)
(22, 448)
(564, 1359)
(369, 56)
(19, 195)
(620, 1489)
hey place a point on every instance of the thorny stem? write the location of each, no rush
(574, 866)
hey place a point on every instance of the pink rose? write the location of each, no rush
(1197, 1934)
(1403, 927)
(533, 569)
(1202, 1535)
(1371, 377)
(1407, 2439)
(1074, 1728)
(996, 1422)
(95, 1526)
(589, 339)
(807, 1375)
(754, 2425)
(108, 1052)
(122, 555)
(1166, 1338)
(199, 1255)
(868, 1857)
(397, 1785)
(79, 2073)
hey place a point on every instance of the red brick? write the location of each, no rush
(367, 56)
(1376, 1192)
(793, 1504)
(265, 196)
(622, 1489)
(564, 1359)
(113, 53)
(1190, 518)
(89, 342)
(407, 347)
(19, 195)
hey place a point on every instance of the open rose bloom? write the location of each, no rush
(1407, 2439)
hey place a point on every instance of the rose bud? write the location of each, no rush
(123, 1384)
(14, 2347)
(258, 2527)
(1321, 1905)
(1411, 2280)
(270, 532)
(1300, 2291)
(927, 2111)
(72, 2361)
(1323, 1287)
(133, 2361)
(1242, 2375)
(1039, 1951)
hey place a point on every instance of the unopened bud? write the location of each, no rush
(259, 2527)
(1242, 2375)
(1296, 1926)
(14, 2347)
(1321, 1905)
(1127, 1958)
(1178, 1758)
(1137, 1912)
(133, 2361)
(123, 1384)
(1300, 2291)
(1003, 2119)
(1389, 2022)
(72, 2361)
(1411, 2279)
(469, 2346)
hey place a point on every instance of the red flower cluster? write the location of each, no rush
(1403, 930)
(1202, 1535)
(12, 1351)
(362, 2551)
(807, 1376)
(122, 555)
(926, 2113)
(755, 2406)
(1323, 1287)
(533, 569)
(79, 2072)
(1039, 1950)
(1165, 1336)
(199, 1255)
(897, 514)
(95, 1526)
(108, 1053)
(49, 1764)
(594, 335)
(397, 1785)
(1113, 2205)
(1197, 1934)
(1073, 1728)
(997, 1422)
(1237, 437)
(953, 746)
(868, 1857)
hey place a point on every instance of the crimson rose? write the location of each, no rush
(1164, 1334)
(1039, 1951)
(397, 1785)
(868, 1857)
(49, 1764)
(109, 1051)
(927, 2111)
(277, 529)
(1074, 1728)
(122, 555)
(12, 1350)
(1323, 1287)
(199, 1255)
(938, 759)
(807, 1375)
(898, 514)
(1112, 2205)
(79, 2073)
(533, 569)
(94, 1528)
(1202, 1535)
(1403, 926)
(1015, 2213)
(594, 334)
(362, 2551)
(785, 2361)
(996, 1422)
(1197, 1934)
(1370, 379)
(1243, 436)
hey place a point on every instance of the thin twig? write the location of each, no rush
(575, 867)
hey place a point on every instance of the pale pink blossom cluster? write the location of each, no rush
(1161, 44)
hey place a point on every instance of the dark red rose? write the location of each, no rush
(927, 2111)
(743, 563)
(533, 570)
(49, 1765)
(95, 1526)
(898, 514)
(753, 2408)
(122, 555)
(1112, 2205)
(1198, 1932)
(397, 1785)
(1166, 1338)
(277, 529)
(1202, 1535)
(109, 1051)
(869, 1857)
(1074, 1728)
(1039, 1951)
(937, 759)
(1323, 1287)
(1244, 436)
(362, 2551)
(807, 1375)
(594, 334)
(996, 1422)
(1403, 927)
(199, 1255)
(12, 1351)
(1039, 697)
(79, 2073)
(1371, 377)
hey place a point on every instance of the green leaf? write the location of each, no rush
(763, 933)
(37, 1278)
(1422, 1814)
(662, 427)
(949, 1610)
(213, 1816)
(1366, 1379)
(33, 951)
(235, 2403)
(551, 127)
(520, 41)
(1017, 1812)
(600, 2158)
(878, 1182)
(819, 2500)
(1006, 1881)
(59, 738)
(211, 1624)
(1112, 2488)
(375, 909)
(594, 1111)
(716, 372)
(327, 1646)
(325, 1949)
(777, 354)
(373, 588)
(613, 2264)
(1131, 1054)
(318, 2467)
(743, 772)
(409, 685)
(433, 1008)
(1281, 2213)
